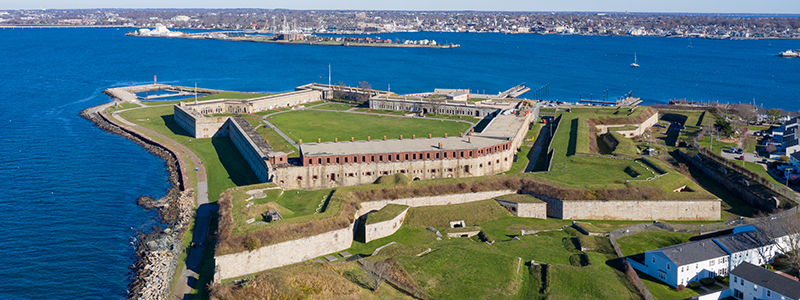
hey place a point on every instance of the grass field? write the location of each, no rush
(277, 142)
(454, 266)
(334, 106)
(650, 240)
(662, 291)
(309, 125)
(290, 204)
(717, 146)
(579, 171)
(225, 166)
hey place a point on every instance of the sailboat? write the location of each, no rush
(690, 44)
(634, 64)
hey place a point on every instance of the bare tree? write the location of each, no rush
(338, 91)
(785, 232)
(748, 141)
(376, 271)
(366, 91)
(434, 105)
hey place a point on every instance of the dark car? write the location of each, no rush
(739, 151)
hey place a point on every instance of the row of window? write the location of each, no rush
(432, 171)
(404, 157)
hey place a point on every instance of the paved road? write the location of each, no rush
(191, 270)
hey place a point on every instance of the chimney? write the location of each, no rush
(352, 139)
(319, 140)
(413, 136)
(384, 137)
(336, 140)
(300, 141)
(460, 134)
(469, 140)
(401, 136)
(445, 134)
(368, 139)
(430, 135)
(440, 145)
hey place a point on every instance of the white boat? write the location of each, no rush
(790, 53)
(634, 64)
(690, 44)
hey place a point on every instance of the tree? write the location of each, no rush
(724, 126)
(771, 148)
(434, 105)
(785, 231)
(748, 141)
(746, 113)
(773, 115)
(376, 271)
(366, 91)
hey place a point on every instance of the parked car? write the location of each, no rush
(739, 151)
(741, 157)
(731, 150)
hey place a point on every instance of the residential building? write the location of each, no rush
(749, 281)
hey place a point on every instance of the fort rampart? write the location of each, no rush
(386, 228)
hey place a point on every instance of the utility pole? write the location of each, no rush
(195, 93)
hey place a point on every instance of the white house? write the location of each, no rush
(747, 244)
(680, 264)
(692, 261)
(753, 282)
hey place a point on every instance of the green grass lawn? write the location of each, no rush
(626, 146)
(662, 291)
(277, 142)
(717, 147)
(121, 106)
(598, 280)
(290, 204)
(334, 106)
(650, 240)
(225, 166)
(310, 125)
(759, 169)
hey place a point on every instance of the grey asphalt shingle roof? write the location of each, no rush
(693, 252)
(743, 241)
(767, 279)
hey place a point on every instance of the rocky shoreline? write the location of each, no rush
(157, 251)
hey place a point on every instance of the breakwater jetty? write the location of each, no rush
(157, 251)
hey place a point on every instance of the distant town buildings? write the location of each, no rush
(368, 22)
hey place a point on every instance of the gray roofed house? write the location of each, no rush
(692, 252)
(743, 241)
(762, 279)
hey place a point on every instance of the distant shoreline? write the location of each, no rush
(254, 39)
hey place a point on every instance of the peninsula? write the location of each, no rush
(290, 37)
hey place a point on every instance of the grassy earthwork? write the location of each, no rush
(310, 125)
(225, 166)
(334, 106)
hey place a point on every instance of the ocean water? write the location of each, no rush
(68, 189)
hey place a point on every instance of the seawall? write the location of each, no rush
(157, 251)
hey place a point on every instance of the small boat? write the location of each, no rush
(690, 44)
(634, 64)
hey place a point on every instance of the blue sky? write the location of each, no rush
(690, 6)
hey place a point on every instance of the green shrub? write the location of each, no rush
(707, 281)
(680, 288)
(694, 285)
(719, 278)
(250, 243)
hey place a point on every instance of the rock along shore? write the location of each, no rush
(157, 251)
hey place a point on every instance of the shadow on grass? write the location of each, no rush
(573, 137)
(234, 163)
(731, 203)
(169, 121)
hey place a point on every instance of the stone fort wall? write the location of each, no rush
(386, 228)
(633, 209)
(282, 254)
(369, 206)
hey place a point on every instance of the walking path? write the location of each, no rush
(203, 217)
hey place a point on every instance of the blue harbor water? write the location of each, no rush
(68, 208)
